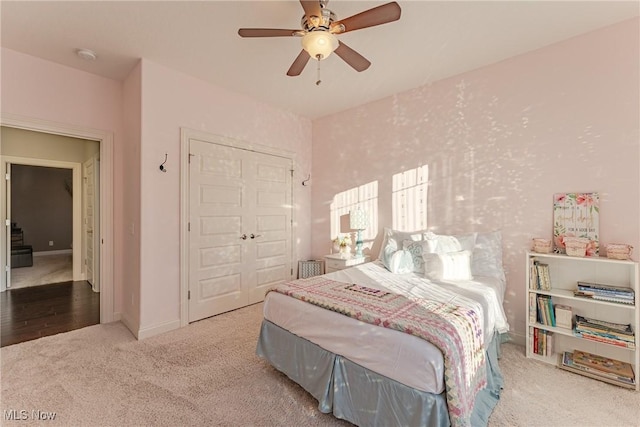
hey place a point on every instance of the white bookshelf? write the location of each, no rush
(565, 271)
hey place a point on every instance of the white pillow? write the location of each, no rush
(441, 243)
(401, 262)
(487, 256)
(392, 242)
(448, 266)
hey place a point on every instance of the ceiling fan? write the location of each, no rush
(319, 30)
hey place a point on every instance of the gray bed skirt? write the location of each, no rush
(337, 384)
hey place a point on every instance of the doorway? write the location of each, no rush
(40, 201)
(104, 206)
(46, 283)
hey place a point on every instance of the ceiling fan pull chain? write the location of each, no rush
(318, 57)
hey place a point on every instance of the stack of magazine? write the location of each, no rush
(618, 334)
(605, 293)
(599, 367)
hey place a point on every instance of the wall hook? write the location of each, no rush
(306, 180)
(162, 168)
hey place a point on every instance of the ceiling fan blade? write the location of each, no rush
(311, 8)
(299, 64)
(378, 15)
(266, 32)
(351, 57)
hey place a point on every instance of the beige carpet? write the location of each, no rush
(208, 374)
(46, 269)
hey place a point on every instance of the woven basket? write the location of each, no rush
(542, 246)
(576, 246)
(619, 251)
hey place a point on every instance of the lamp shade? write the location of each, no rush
(319, 43)
(358, 219)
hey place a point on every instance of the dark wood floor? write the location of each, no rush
(39, 311)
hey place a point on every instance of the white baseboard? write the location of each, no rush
(60, 252)
(158, 329)
(132, 326)
(517, 338)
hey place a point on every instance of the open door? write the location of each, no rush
(8, 226)
(91, 225)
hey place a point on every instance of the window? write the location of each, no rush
(365, 197)
(410, 199)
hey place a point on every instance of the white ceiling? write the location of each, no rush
(432, 40)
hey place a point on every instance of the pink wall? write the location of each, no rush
(132, 120)
(147, 111)
(171, 100)
(37, 89)
(499, 142)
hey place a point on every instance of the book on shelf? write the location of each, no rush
(548, 343)
(545, 281)
(606, 292)
(592, 292)
(567, 362)
(604, 324)
(539, 277)
(622, 331)
(540, 311)
(532, 308)
(598, 297)
(627, 339)
(533, 275)
(617, 290)
(546, 315)
(564, 316)
(605, 340)
(603, 365)
(542, 342)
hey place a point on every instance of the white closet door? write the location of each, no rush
(240, 227)
(271, 245)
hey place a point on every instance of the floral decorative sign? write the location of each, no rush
(576, 215)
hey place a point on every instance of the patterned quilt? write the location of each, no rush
(455, 330)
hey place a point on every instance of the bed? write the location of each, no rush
(373, 375)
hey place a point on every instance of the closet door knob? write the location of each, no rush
(253, 236)
(244, 237)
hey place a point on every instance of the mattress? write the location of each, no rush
(402, 357)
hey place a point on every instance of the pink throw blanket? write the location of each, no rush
(455, 330)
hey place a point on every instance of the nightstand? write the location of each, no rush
(335, 262)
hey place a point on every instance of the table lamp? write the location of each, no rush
(358, 220)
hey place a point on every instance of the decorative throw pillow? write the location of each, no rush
(417, 249)
(448, 266)
(392, 242)
(401, 262)
(386, 253)
(487, 256)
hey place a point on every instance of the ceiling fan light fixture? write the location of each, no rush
(319, 44)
